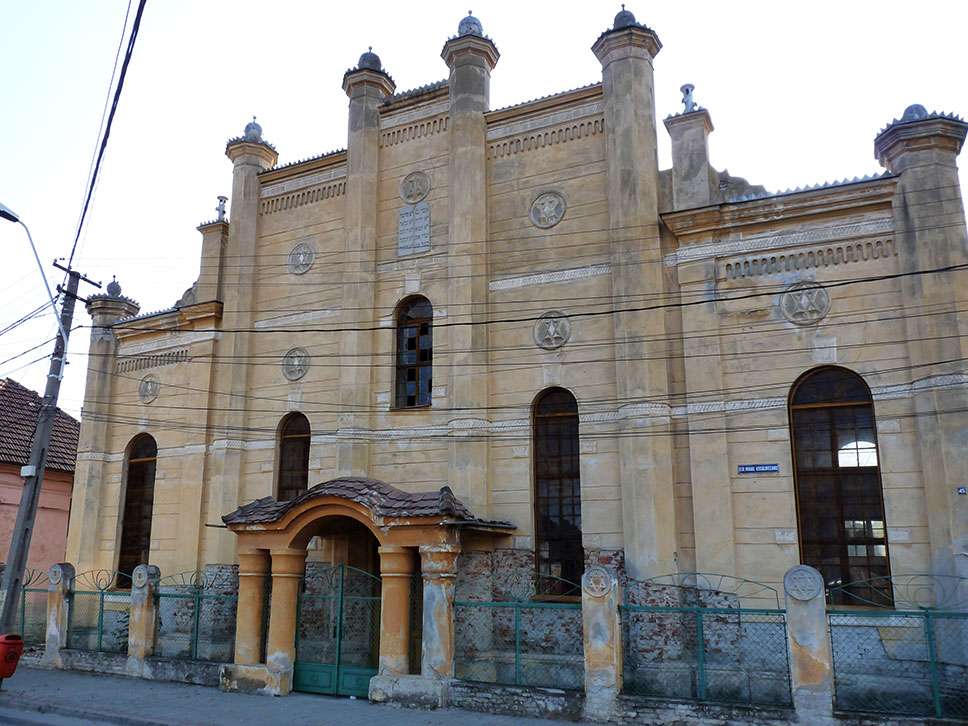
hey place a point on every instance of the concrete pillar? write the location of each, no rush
(288, 568)
(602, 636)
(690, 159)
(930, 233)
(438, 564)
(396, 569)
(646, 462)
(250, 155)
(215, 238)
(142, 618)
(810, 662)
(83, 538)
(59, 603)
(367, 86)
(470, 58)
(253, 567)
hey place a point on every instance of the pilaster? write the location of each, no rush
(215, 239)
(142, 618)
(438, 564)
(396, 569)
(690, 158)
(253, 567)
(288, 568)
(602, 636)
(59, 603)
(809, 645)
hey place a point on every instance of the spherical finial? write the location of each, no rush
(914, 112)
(470, 26)
(114, 289)
(370, 61)
(624, 19)
(253, 132)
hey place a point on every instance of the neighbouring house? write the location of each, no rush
(19, 409)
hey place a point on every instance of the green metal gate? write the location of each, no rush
(337, 631)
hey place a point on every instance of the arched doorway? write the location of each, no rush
(338, 611)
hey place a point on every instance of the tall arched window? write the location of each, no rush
(294, 437)
(139, 497)
(415, 353)
(838, 483)
(557, 479)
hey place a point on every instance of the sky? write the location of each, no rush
(797, 93)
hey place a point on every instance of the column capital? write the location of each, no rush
(288, 562)
(258, 153)
(363, 78)
(439, 560)
(634, 40)
(897, 146)
(470, 48)
(253, 562)
(397, 561)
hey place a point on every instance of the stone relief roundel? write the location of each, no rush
(301, 258)
(140, 576)
(414, 187)
(55, 575)
(804, 303)
(148, 388)
(552, 330)
(596, 581)
(803, 583)
(295, 364)
(547, 210)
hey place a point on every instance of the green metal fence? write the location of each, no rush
(99, 614)
(196, 617)
(31, 617)
(522, 629)
(682, 639)
(912, 660)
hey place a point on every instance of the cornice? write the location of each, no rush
(541, 106)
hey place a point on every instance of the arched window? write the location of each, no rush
(415, 353)
(294, 436)
(838, 483)
(557, 479)
(139, 497)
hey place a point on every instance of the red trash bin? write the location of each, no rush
(11, 646)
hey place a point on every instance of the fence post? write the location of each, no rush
(810, 661)
(602, 635)
(59, 603)
(142, 618)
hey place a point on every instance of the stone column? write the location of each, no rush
(142, 618)
(642, 382)
(215, 238)
(438, 563)
(602, 635)
(470, 58)
(809, 643)
(396, 569)
(690, 158)
(253, 567)
(59, 602)
(288, 567)
(83, 539)
(367, 86)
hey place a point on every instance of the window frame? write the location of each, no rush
(285, 439)
(402, 367)
(147, 493)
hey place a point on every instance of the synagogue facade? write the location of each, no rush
(482, 341)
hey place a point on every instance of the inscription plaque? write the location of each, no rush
(413, 229)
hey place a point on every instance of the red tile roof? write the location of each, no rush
(19, 409)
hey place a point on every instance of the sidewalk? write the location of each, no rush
(135, 702)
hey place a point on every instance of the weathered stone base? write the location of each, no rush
(409, 691)
(195, 672)
(517, 700)
(260, 680)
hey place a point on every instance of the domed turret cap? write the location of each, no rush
(253, 132)
(914, 112)
(114, 289)
(624, 19)
(470, 26)
(370, 61)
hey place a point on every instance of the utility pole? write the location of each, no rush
(33, 473)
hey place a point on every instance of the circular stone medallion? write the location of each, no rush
(301, 258)
(596, 581)
(140, 576)
(804, 303)
(552, 330)
(803, 583)
(55, 575)
(295, 364)
(148, 388)
(414, 187)
(547, 210)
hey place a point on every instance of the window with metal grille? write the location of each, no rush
(415, 353)
(557, 478)
(293, 457)
(139, 497)
(839, 500)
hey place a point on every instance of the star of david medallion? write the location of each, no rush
(547, 210)
(295, 364)
(803, 583)
(55, 575)
(414, 187)
(552, 330)
(596, 581)
(148, 388)
(140, 576)
(804, 303)
(301, 258)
